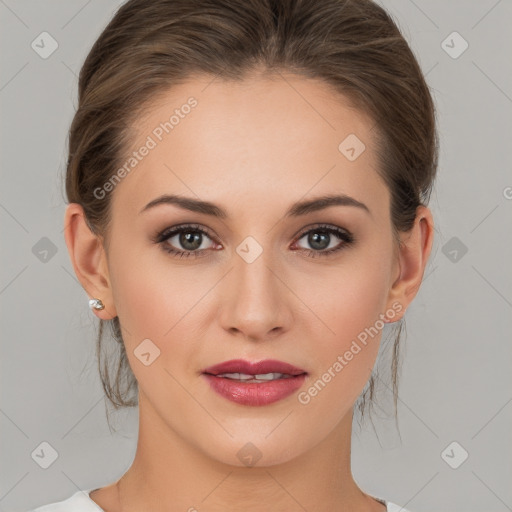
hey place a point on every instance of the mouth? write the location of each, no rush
(258, 383)
(268, 369)
(262, 377)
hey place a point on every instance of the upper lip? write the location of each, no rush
(254, 368)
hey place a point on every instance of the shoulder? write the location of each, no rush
(78, 502)
(81, 502)
(392, 507)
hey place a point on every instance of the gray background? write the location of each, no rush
(455, 383)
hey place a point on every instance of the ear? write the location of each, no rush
(89, 259)
(413, 254)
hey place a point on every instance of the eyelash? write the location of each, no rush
(161, 238)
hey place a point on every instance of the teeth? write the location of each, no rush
(262, 377)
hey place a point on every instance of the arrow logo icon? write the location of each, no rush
(351, 147)
(454, 249)
(249, 249)
(44, 250)
(146, 352)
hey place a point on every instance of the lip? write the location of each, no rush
(254, 393)
(256, 368)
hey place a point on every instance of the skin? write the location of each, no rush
(253, 148)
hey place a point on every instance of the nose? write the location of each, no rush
(255, 301)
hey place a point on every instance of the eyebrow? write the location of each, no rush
(297, 209)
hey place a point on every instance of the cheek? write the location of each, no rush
(151, 293)
(157, 300)
(351, 297)
(349, 304)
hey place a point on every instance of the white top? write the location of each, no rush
(81, 502)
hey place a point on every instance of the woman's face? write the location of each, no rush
(264, 280)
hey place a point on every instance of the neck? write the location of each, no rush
(168, 473)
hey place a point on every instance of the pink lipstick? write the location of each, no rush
(259, 383)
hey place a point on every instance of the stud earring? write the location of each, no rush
(96, 304)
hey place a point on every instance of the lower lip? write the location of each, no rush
(255, 393)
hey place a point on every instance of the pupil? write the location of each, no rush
(192, 239)
(319, 240)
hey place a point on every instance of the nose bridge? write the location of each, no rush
(253, 266)
(254, 302)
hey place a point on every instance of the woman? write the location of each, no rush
(247, 186)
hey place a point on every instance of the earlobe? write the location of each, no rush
(88, 259)
(413, 255)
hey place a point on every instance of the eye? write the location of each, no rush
(322, 239)
(191, 238)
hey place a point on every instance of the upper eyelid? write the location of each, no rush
(319, 226)
(172, 231)
(167, 232)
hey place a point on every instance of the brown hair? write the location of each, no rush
(352, 45)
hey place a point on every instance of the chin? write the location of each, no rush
(257, 449)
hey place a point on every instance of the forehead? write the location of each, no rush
(231, 141)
